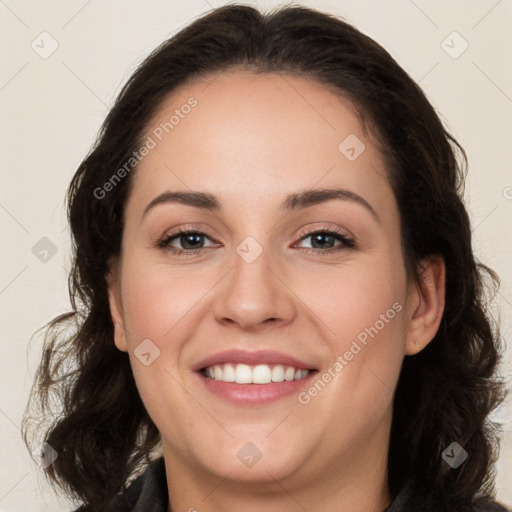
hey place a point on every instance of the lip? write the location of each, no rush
(252, 358)
(253, 394)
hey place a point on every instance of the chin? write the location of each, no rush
(254, 458)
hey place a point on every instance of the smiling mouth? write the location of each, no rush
(254, 374)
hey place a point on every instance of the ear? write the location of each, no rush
(425, 305)
(116, 307)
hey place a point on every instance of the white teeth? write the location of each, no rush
(261, 374)
(289, 374)
(258, 374)
(243, 374)
(228, 374)
(278, 373)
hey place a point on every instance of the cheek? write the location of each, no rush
(156, 307)
(364, 309)
(155, 301)
(361, 300)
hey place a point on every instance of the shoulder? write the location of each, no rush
(487, 504)
(415, 496)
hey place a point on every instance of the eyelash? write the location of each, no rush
(347, 243)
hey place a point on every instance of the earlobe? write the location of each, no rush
(427, 298)
(116, 310)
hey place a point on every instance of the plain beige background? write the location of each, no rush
(52, 106)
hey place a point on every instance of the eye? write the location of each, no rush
(191, 242)
(323, 241)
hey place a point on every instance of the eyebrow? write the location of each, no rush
(295, 201)
(307, 198)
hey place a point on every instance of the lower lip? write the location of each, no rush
(255, 394)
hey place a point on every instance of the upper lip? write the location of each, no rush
(235, 356)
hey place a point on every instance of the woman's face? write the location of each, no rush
(263, 293)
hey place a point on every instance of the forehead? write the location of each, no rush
(250, 137)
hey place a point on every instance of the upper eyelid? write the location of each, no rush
(311, 231)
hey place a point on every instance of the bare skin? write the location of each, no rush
(250, 141)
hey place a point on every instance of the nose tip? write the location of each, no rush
(253, 296)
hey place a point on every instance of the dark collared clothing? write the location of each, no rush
(148, 493)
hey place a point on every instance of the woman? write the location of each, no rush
(275, 295)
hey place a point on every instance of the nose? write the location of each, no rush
(254, 296)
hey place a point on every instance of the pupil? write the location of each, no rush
(187, 238)
(322, 239)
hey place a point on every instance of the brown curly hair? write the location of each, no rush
(103, 434)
